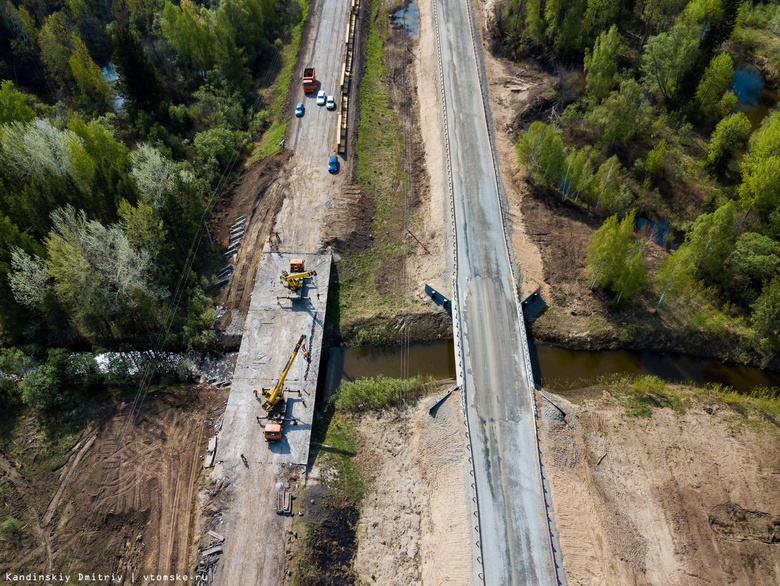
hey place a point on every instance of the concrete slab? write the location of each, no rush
(275, 322)
(253, 545)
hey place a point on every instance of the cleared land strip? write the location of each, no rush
(513, 534)
(253, 549)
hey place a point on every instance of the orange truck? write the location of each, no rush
(309, 82)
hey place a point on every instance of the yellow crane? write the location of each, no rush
(273, 396)
(294, 279)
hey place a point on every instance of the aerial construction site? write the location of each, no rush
(391, 208)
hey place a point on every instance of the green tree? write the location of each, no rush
(251, 19)
(599, 15)
(606, 184)
(766, 310)
(755, 259)
(713, 84)
(541, 150)
(668, 56)
(39, 150)
(13, 105)
(10, 526)
(216, 145)
(615, 260)
(730, 134)
(154, 175)
(577, 174)
(92, 270)
(654, 165)
(601, 65)
(45, 386)
(622, 114)
(94, 94)
(143, 228)
(760, 186)
(703, 253)
(54, 40)
(139, 81)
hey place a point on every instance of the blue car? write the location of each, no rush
(333, 164)
(299, 109)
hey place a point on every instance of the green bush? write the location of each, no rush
(9, 526)
(60, 381)
(380, 392)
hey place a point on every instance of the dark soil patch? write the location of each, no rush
(562, 230)
(351, 232)
(330, 545)
(738, 524)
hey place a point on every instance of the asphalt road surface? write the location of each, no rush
(515, 539)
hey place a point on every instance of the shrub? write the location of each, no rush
(9, 526)
(379, 392)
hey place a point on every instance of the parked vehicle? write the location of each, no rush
(299, 109)
(330, 104)
(333, 164)
(309, 81)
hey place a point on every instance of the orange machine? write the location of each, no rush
(309, 81)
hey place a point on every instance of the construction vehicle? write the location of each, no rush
(309, 81)
(275, 404)
(294, 279)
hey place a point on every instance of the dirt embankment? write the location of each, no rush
(684, 499)
(123, 499)
(680, 497)
(257, 194)
(414, 525)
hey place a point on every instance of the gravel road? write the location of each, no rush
(515, 542)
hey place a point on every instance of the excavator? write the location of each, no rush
(294, 279)
(274, 404)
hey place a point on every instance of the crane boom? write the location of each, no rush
(295, 280)
(274, 395)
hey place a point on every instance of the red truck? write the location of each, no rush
(309, 83)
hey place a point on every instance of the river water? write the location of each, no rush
(554, 368)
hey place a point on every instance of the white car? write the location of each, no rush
(321, 98)
(331, 103)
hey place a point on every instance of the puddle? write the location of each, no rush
(659, 229)
(755, 98)
(409, 18)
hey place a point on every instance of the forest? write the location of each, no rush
(118, 120)
(649, 123)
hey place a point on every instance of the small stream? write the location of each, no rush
(554, 368)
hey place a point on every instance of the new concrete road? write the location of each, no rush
(514, 535)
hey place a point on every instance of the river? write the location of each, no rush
(554, 368)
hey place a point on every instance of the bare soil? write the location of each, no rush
(671, 499)
(414, 523)
(255, 195)
(123, 498)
